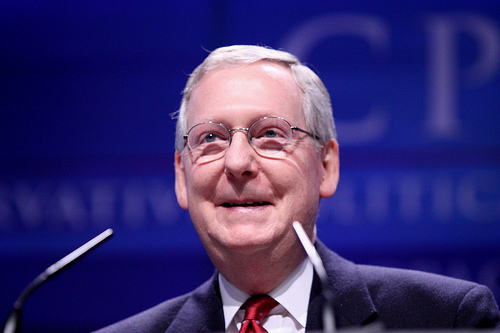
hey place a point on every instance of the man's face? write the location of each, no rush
(243, 202)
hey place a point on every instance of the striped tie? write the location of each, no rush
(256, 309)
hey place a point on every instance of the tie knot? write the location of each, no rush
(258, 307)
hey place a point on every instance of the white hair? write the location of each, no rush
(317, 105)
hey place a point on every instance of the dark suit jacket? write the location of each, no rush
(396, 298)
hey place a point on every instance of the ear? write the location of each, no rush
(330, 160)
(180, 181)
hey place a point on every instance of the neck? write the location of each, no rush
(259, 273)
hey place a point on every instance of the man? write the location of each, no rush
(256, 150)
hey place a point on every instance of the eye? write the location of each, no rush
(268, 133)
(207, 134)
(210, 137)
(270, 139)
(271, 133)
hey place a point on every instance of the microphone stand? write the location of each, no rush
(12, 324)
(328, 314)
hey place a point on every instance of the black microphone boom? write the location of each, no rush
(12, 323)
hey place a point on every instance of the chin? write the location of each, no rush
(242, 243)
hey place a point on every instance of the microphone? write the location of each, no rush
(328, 315)
(13, 321)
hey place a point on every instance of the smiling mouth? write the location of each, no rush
(245, 204)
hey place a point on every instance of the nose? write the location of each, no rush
(240, 159)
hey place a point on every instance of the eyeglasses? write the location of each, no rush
(269, 136)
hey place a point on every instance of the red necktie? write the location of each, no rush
(256, 309)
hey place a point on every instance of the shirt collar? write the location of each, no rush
(293, 294)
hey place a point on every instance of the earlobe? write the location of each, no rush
(330, 162)
(180, 181)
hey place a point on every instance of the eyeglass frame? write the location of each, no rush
(247, 129)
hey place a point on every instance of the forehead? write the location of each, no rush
(246, 93)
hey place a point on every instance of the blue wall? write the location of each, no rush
(86, 89)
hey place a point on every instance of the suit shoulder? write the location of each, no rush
(177, 312)
(459, 303)
(405, 283)
(382, 275)
(154, 319)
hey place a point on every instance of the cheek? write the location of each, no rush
(306, 170)
(202, 180)
(296, 179)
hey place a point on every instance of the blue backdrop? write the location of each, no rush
(86, 89)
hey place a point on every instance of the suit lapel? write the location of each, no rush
(202, 311)
(353, 305)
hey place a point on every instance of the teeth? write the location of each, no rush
(245, 204)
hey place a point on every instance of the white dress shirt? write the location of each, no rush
(292, 295)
